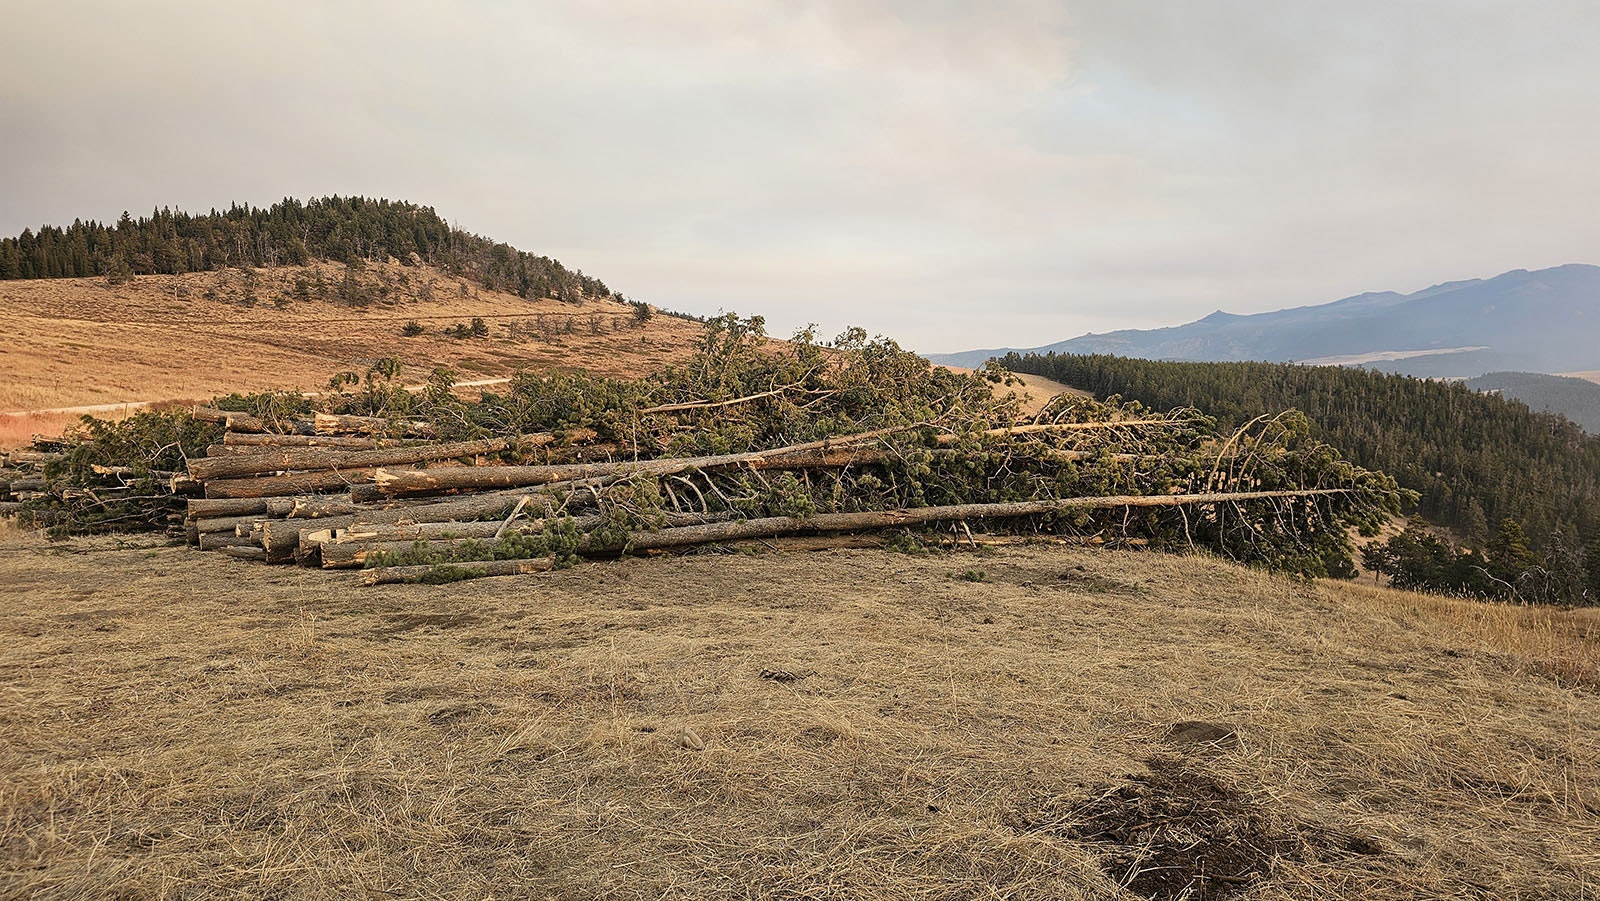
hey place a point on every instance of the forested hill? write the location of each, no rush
(1475, 458)
(291, 232)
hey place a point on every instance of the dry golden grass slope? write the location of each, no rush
(72, 342)
(839, 724)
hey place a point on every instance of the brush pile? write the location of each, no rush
(752, 439)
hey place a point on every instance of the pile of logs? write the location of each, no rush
(22, 476)
(23, 479)
(344, 492)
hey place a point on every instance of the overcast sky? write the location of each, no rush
(954, 175)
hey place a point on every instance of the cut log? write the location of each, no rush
(269, 439)
(32, 457)
(202, 508)
(352, 548)
(228, 524)
(281, 537)
(20, 485)
(395, 575)
(353, 545)
(232, 421)
(245, 552)
(10, 508)
(319, 506)
(329, 424)
(887, 519)
(216, 541)
(291, 483)
(420, 481)
(281, 507)
(291, 459)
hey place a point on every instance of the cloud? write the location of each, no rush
(954, 174)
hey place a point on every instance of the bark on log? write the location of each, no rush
(478, 506)
(233, 422)
(228, 524)
(353, 545)
(10, 508)
(366, 494)
(395, 575)
(269, 439)
(887, 519)
(281, 537)
(202, 508)
(216, 541)
(291, 483)
(245, 553)
(320, 506)
(20, 485)
(417, 481)
(31, 457)
(304, 459)
(330, 424)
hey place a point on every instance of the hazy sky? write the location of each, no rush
(955, 175)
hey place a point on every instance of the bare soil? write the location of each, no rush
(844, 723)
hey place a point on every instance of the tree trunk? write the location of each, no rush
(394, 575)
(329, 424)
(244, 439)
(303, 459)
(281, 537)
(887, 519)
(291, 483)
(227, 524)
(233, 422)
(415, 481)
(216, 541)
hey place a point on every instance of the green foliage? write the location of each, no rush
(930, 432)
(971, 575)
(350, 230)
(903, 541)
(149, 444)
(412, 329)
(1472, 458)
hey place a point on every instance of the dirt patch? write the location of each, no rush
(401, 623)
(1177, 834)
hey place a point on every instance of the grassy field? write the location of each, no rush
(73, 342)
(1036, 722)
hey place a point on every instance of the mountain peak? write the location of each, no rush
(1546, 320)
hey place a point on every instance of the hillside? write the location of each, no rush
(1474, 458)
(1575, 398)
(78, 341)
(1543, 321)
(854, 723)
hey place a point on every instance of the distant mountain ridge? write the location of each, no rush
(1541, 321)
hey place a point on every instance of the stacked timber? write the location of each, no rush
(23, 477)
(344, 492)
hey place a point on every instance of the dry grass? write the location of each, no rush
(73, 342)
(180, 725)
